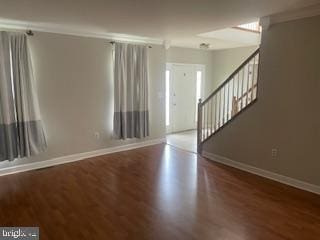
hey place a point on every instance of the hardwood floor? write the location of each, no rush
(157, 192)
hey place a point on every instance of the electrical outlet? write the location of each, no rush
(97, 135)
(274, 153)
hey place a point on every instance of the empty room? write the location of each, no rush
(159, 120)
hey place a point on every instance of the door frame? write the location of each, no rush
(197, 67)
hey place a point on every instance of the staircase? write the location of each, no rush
(234, 95)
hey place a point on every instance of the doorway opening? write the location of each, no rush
(184, 87)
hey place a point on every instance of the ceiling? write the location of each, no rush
(179, 22)
(231, 38)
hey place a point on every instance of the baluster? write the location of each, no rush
(252, 81)
(210, 117)
(239, 91)
(211, 112)
(243, 85)
(248, 76)
(221, 104)
(224, 104)
(237, 98)
(202, 123)
(208, 112)
(236, 94)
(217, 113)
(227, 101)
(222, 107)
(199, 133)
(204, 120)
(229, 107)
(230, 98)
(218, 108)
(207, 133)
(233, 97)
(256, 76)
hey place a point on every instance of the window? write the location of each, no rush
(167, 97)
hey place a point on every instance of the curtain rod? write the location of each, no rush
(113, 42)
(27, 32)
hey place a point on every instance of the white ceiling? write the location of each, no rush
(231, 38)
(180, 22)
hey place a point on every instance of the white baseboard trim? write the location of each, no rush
(263, 173)
(76, 157)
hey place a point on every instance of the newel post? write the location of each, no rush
(199, 127)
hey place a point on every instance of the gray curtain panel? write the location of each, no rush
(21, 132)
(131, 111)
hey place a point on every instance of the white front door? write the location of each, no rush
(182, 97)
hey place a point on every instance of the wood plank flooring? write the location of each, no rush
(157, 192)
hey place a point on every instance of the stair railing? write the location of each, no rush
(233, 96)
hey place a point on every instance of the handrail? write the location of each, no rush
(231, 76)
(235, 94)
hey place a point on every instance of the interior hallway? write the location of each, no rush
(185, 140)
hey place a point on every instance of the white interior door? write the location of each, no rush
(183, 97)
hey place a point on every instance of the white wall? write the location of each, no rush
(75, 87)
(193, 56)
(219, 64)
(224, 62)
